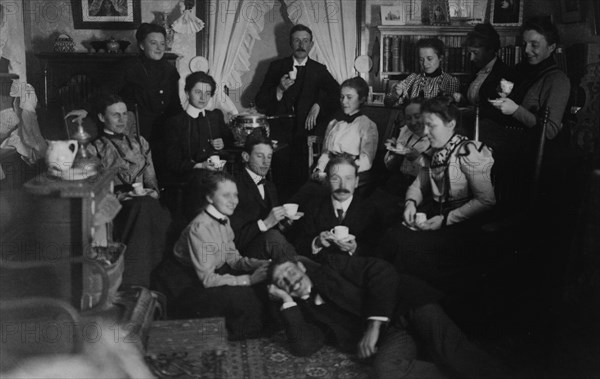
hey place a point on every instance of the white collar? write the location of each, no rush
(344, 205)
(109, 132)
(306, 297)
(300, 63)
(214, 212)
(255, 177)
(194, 112)
(488, 67)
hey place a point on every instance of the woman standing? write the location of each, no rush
(430, 82)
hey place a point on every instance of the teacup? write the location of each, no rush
(420, 217)
(292, 75)
(340, 232)
(214, 160)
(290, 209)
(138, 188)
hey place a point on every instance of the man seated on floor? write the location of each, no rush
(363, 306)
(319, 230)
(142, 223)
(259, 219)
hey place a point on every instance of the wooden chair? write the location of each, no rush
(315, 146)
(76, 92)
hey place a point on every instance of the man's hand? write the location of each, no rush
(284, 83)
(277, 214)
(347, 246)
(366, 346)
(206, 165)
(433, 223)
(311, 119)
(324, 238)
(259, 275)
(276, 293)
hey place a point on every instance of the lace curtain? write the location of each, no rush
(333, 23)
(234, 26)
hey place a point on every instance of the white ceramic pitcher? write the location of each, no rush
(60, 156)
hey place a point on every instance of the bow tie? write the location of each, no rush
(261, 182)
(222, 221)
(349, 119)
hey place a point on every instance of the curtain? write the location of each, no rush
(333, 23)
(26, 138)
(234, 26)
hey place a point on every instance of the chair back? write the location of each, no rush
(315, 146)
(91, 126)
(76, 92)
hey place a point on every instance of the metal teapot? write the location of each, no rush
(245, 124)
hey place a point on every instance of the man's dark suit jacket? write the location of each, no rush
(315, 85)
(251, 208)
(489, 89)
(353, 289)
(361, 218)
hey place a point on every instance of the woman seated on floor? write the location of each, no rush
(430, 82)
(453, 191)
(142, 223)
(350, 132)
(198, 133)
(227, 281)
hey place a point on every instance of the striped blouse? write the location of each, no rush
(430, 86)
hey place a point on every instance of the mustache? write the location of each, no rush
(341, 190)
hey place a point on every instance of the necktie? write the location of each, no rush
(349, 119)
(222, 221)
(299, 69)
(340, 215)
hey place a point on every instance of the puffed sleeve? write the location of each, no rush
(369, 137)
(208, 252)
(476, 163)
(149, 176)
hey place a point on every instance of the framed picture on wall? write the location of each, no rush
(506, 12)
(570, 11)
(393, 15)
(106, 14)
(435, 12)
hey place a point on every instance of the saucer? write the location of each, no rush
(410, 227)
(295, 217)
(348, 238)
(133, 194)
(77, 173)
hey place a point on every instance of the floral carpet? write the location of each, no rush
(269, 358)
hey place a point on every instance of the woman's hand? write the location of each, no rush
(317, 175)
(505, 105)
(217, 143)
(399, 91)
(259, 275)
(78, 114)
(433, 223)
(410, 210)
(368, 344)
(206, 165)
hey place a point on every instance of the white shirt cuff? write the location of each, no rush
(288, 304)
(379, 318)
(261, 225)
(242, 280)
(315, 248)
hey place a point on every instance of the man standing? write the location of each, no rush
(341, 207)
(303, 87)
(363, 306)
(258, 219)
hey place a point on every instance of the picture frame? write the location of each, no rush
(435, 12)
(393, 15)
(106, 14)
(377, 98)
(570, 11)
(506, 12)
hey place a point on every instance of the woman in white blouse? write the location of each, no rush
(350, 132)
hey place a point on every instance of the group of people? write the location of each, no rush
(337, 270)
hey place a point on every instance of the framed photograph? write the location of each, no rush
(435, 12)
(378, 98)
(106, 14)
(393, 15)
(506, 12)
(570, 11)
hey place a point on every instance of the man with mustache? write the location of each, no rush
(341, 207)
(259, 218)
(302, 87)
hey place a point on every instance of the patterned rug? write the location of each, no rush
(269, 358)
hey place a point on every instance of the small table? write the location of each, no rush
(188, 348)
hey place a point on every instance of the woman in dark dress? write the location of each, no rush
(196, 134)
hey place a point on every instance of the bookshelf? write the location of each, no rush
(399, 55)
